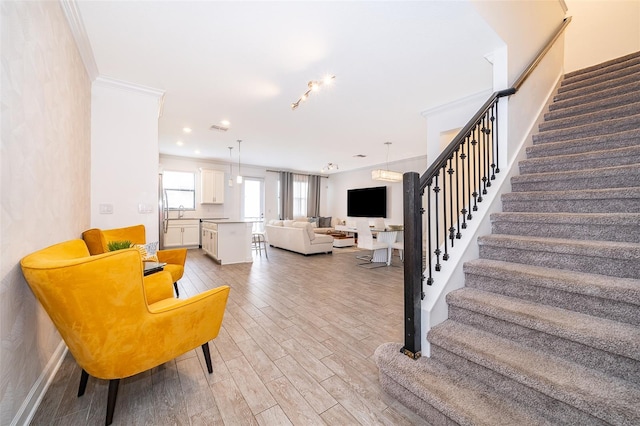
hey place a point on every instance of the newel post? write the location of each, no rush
(412, 208)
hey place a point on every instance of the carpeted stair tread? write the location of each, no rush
(590, 107)
(607, 67)
(581, 226)
(585, 144)
(573, 99)
(606, 177)
(593, 117)
(608, 398)
(592, 294)
(600, 82)
(621, 200)
(613, 258)
(458, 398)
(611, 126)
(583, 160)
(611, 336)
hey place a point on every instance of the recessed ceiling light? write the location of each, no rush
(197, 151)
(179, 143)
(186, 129)
(225, 123)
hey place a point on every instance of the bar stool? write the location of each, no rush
(258, 240)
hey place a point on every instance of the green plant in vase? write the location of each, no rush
(119, 245)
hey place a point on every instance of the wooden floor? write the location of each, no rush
(296, 347)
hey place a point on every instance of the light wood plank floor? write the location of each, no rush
(296, 348)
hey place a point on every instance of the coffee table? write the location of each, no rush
(343, 241)
(153, 267)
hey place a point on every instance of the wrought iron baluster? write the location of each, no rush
(475, 194)
(445, 256)
(483, 154)
(428, 256)
(494, 144)
(458, 166)
(463, 166)
(495, 132)
(451, 227)
(436, 190)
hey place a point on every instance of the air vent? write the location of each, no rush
(219, 128)
(359, 156)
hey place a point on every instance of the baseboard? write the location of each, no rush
(32, 401)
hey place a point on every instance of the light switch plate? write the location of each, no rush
(106, 208)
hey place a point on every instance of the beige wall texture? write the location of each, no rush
(601, 30)
(44, 186)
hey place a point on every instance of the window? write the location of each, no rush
(300, 191)
(180, 190)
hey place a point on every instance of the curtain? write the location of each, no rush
(313, 197)
(286, 195)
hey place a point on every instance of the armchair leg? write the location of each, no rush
(83, 383)
(207, 357)
(175, 285)
(111, 399)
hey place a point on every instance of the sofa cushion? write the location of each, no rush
(275, 222)
(308, 227)
(322, 238)
(288, 223)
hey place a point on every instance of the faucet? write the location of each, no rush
(180, 211)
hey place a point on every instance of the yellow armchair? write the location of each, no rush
(116, 322)
(98, 239)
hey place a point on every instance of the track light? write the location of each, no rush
(313, 86)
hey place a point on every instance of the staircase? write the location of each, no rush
(547, 329)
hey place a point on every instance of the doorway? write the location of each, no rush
(253, 199)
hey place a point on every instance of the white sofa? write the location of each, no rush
(298, 237)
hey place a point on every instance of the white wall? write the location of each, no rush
(124, 154)
(600, 31)
(338, 183)
(44, 186)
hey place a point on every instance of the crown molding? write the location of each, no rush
(114, 83)
(74, 19)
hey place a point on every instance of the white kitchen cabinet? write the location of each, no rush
(227, 241)
(182, 235)
(212, 186)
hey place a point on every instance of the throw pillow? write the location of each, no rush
(289, 223)
(145, 253)
(324, 222)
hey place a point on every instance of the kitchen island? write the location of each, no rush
(227, 241)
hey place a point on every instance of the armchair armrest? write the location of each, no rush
(158, 286)
(173, 256)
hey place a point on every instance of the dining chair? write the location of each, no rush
(366, 240)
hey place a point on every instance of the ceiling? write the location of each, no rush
(246, 62)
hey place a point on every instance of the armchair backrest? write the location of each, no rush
(93, 300)
(97, 239)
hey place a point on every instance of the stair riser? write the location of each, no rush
(588, 85)
(610, 68)
(625, 179)
(614, 126)
(599, 116)
(577, 164)
(528, 290)
(590, 357)
(593, 264)
(558, 412)
(621, 205)
(408, 399)
(596, 231)
(581, 146)
(556, 113)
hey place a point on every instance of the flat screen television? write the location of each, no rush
(367, 202)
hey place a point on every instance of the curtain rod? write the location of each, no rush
(296, 173)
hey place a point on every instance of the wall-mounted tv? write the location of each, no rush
(367, 202)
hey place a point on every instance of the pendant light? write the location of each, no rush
(386, 175)
(239, 178)
(230, 182)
